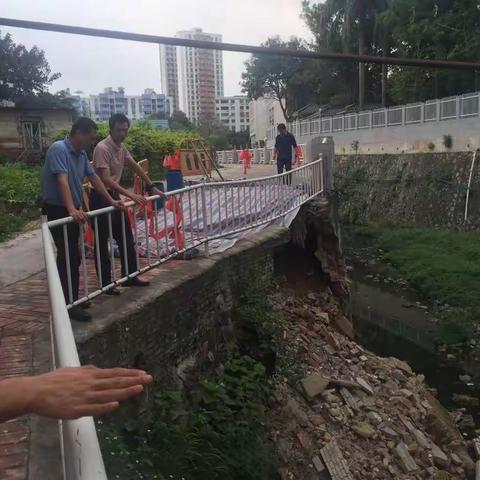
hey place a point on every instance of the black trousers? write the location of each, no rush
(54, 212)
(284, 163)
(287, 164)
(96, 202)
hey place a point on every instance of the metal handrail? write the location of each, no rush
(456, 103)
(279, 195)
(81, 454)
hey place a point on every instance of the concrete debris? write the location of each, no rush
(476, 447)
(363, 429)
(407, 462)
(439, 458)
(335, 462)
(367, 417)
(314, 385)
(318, 464)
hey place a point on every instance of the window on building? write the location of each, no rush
(32, 134)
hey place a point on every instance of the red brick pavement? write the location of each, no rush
(24, 311)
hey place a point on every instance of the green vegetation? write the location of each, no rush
(214, 430)
(19, 190)
(144, 141)
(220, 436)
(443, 267)
(422, 29)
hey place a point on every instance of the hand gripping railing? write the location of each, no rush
(183, 221)
(81, 455)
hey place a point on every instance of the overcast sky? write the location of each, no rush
(90, 64)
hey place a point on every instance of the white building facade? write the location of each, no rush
(233, 112)
(264, 113)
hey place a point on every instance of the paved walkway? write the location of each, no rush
(24, 319)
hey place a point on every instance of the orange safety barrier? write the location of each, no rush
(172, 162)
(172, 205)
(299, 156)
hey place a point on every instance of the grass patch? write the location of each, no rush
(442, 266)
(19, 183)
(19, 191)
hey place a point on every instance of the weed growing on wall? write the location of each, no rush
(217, 436)
(216, 429)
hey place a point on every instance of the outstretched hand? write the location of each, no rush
(69, 393)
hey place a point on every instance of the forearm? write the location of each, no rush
(15, 397)
(65, 194)
(111, 184)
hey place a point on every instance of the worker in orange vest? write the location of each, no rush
(246, 156)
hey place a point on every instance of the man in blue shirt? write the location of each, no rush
(66, 166)
(282, 153)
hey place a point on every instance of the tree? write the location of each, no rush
(158, 116)
(61, 99)
(23, 72)
(433, 29)
(213, 132)
(352, 21)
(238, 139)
(179, 121)
(271, 74)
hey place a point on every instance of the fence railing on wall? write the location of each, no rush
(450, 108)
(259, 155)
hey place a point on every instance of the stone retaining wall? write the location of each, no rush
(425, 189)
(183, 318)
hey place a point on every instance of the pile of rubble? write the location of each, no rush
(355, 415)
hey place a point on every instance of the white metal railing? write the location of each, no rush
(259, 155)
(463, 106)
(189, 218)
(81, 455)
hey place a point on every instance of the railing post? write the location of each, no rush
(403, 114)
(422, 112)
(438, 112)
(457, 107)
(204, 213)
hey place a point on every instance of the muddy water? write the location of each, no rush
(389, 320)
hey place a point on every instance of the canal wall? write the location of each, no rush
(422, 189)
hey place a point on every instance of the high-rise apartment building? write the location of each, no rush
(199, 73)
(233, 112)
(169, 73)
